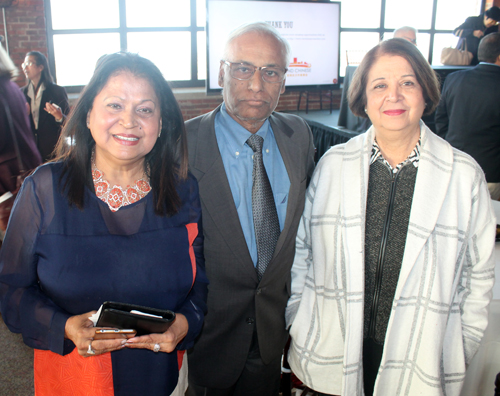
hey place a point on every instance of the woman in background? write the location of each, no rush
(115, 218)
(474, 28)
(48, 103)
(13, 106)
(394, 264)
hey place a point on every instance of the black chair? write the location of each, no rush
(319, 95)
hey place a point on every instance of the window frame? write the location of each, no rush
(382, 30)
(123, 30)
(193, 29)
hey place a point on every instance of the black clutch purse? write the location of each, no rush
(121, 316)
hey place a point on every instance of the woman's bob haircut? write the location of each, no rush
(166, 163)
(396, 47)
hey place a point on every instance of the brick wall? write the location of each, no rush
(193, 105)
(26, 31)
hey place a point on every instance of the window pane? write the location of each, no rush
(158, 13)
(441, 41)
(452, 13)
(354, 45)
(417, 14)
(76, 55)
(76, 14)
(173, 56)
(360, 14)
(202, 55)
(423, 42)
(201, 12)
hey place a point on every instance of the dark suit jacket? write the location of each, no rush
(48, 131)
(237, 302)
(468, 116)
(468, 27)
(30, 158)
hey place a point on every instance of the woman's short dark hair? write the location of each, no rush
(166, 162)
(493, 13)
(397, 47)
(41, 60)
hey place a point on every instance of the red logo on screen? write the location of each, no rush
(295, 63)
(298, 69)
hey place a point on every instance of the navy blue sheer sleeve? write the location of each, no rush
(25, 308)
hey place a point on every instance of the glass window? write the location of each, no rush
(158, 13)
(452, 13)
(360, 13)
(170, 51)
(202, 55)
(76, 55)
(417, 14)
(441, 41)
(353, 46)
(68, 14)
(201, 13)
(423, 42)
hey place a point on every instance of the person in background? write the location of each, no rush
(13, 106)
(47, 101)
(394, 265)
(474, 28)
(408, 33)
(253, 167)
(115, 218)
(468, 115)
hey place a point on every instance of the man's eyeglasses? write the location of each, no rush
(26, 64)
(243, 71)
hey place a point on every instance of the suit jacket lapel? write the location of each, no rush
(217, 196)
(431, 187)
(282, 134)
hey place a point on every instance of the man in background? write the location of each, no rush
(252, 166)
(468, 115)
(408, 33)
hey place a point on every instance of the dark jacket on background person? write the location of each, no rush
(468, 115)
(9, 168)
(47, 134)
(468, 27)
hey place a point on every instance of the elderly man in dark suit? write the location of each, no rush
(252, 167)
(468, 115)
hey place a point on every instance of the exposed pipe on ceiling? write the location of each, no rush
(5, 31)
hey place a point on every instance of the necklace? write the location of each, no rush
(116, 196)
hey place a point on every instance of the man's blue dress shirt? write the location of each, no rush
(237, 157)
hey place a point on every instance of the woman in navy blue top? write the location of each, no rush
(115, 218)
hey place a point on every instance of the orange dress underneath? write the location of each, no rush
(72, 375)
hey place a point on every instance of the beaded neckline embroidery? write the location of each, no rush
(116, 197)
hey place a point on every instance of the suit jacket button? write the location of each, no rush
(258, 291)
(250, 321)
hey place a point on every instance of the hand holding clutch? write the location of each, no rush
(165, 342)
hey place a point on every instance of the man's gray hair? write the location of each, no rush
(406, 29)
(262, 28)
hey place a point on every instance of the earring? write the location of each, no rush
(366, 111)
(88, 125)
(159, 133)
